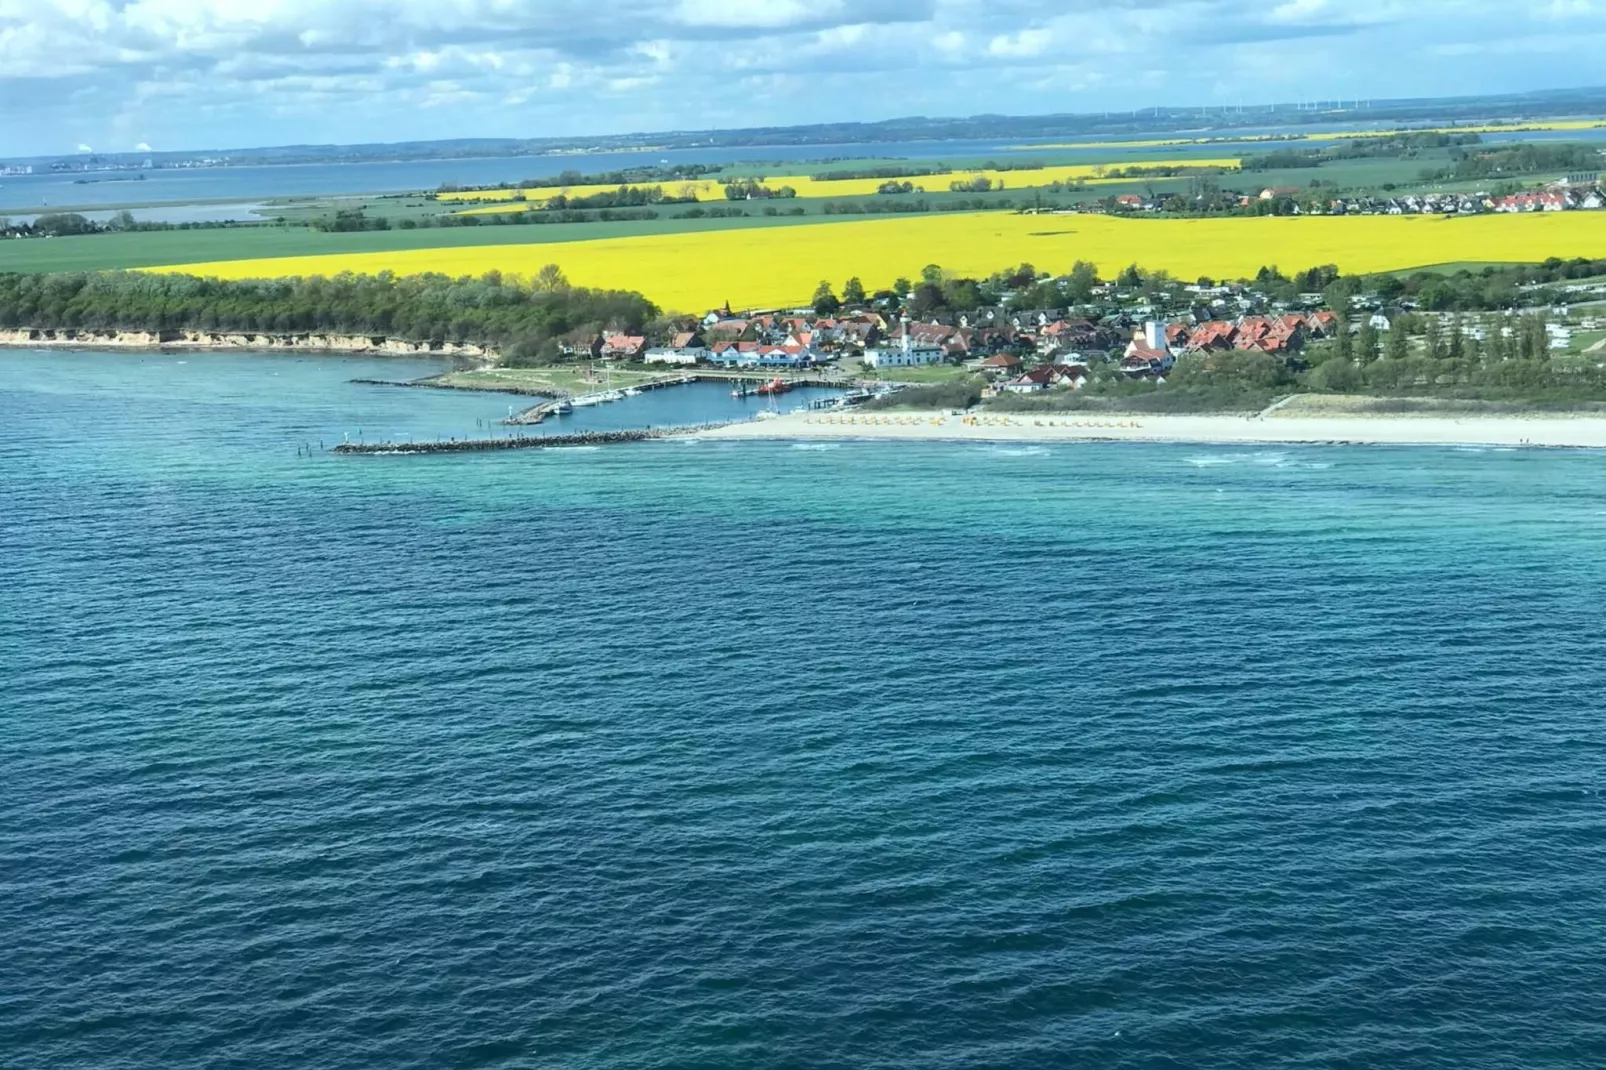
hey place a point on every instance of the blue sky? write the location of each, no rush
(117, 75)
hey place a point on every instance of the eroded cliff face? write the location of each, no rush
(316, 343)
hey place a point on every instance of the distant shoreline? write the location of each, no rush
(239, 342)
(1537, 430)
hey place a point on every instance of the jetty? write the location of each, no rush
(521, 442)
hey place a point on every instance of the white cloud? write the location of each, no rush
(227, 72)
(1021, 44)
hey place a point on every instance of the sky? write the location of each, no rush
(134, 75)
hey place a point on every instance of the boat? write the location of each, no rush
(562, 407)
(632, 392)
(775, 386)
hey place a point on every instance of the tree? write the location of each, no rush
(1130, 277)
(927, 299)
(122, 221)
(1497, 348)
(825, 301)
(902, 286)
(550, 279)
(1343, 344)
(1366, 343)
(1079, 284)
(931, 273)
(853, 292)
(964, 294)
(1433, 338)
(1389, 288)
(1399, 344)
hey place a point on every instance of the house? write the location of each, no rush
(1323, 323)
(1143, 362)
(861, 332)
(728, 328)
(622, 347)
(1129, 200)
(1273, 192)
(1214, 334)
(1151, 338)
(1071, 375)
(785, 357)
(732, 355)
(584, 347)
(1001, 364)
(1038, 379)
(908, 354)
(951, 340)
(990, 339)
(687, 340)
(673, 355)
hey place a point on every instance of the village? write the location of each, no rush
(1017, 351)
(1134, 329)
(1581, 192)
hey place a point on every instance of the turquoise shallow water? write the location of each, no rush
(757, 755)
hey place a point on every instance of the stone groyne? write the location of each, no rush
(302, 341)
(521, 442)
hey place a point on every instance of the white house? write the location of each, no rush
(908, 355)
(675, 356)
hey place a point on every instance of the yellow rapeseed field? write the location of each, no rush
(776, 266)
(807, 186)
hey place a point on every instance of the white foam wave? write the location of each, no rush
(1015, 451)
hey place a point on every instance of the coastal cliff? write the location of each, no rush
(79, 338)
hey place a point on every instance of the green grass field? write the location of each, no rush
(557, 377)
(99, 252)
(940, 373)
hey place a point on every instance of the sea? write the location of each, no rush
(245, 184)
(192, 195)
(696, 753)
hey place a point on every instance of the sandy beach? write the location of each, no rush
(1588, 432)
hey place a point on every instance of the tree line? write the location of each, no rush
(1522, 159)
(1395, 145)
(72, 224)
(629, 176)
(524, 317)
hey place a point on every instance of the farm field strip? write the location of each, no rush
(809, 186)
(756, 267)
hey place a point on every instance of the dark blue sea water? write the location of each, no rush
(754, 755)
